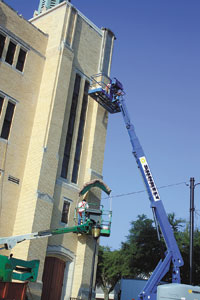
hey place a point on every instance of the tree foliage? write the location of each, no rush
(141, 252)
(108, 269)
(142, 243)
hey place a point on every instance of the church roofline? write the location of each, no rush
(97, 29)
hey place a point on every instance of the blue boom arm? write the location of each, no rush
(172, 253)
(112, 99)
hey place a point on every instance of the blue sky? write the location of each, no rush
(157, 58)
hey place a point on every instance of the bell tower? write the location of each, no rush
(47, 4)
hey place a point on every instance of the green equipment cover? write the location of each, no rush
(95, 183)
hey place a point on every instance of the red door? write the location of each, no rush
(53, 275)
(13, 290)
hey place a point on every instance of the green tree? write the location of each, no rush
(196, 274)
(142, 248)
(141, 252)
(108, 269)
(184, 246)
(177, 224)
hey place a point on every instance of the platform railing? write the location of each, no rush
(99, 81)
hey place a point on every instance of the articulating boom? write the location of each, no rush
(96, 222)
(110, 96)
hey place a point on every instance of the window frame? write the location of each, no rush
(1, 51)
(24, 59)
(4, 109)
(68, 202)
(15, 62)
(11, 62)
(80, 136)
(1, 104)
(71, 124)
(7, 122)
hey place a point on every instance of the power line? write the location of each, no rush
(142, 191)
(197, 213)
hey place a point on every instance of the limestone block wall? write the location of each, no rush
(23, 89)
(44, 143)
(84, 48)
(17, 25)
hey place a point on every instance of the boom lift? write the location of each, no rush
(97, 221)
(110, 94)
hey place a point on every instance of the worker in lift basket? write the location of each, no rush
(82, 206)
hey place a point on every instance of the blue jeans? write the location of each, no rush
(81, 218)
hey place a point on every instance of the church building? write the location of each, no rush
(52, 138)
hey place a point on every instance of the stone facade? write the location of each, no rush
(58, 44)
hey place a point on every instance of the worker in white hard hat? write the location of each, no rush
(82, 206)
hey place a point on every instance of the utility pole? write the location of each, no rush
(92, 273)
(192, 186)
(192, 209)
(95, 235)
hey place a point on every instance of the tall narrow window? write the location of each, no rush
(21, 60)
(71, 25)
(8, 120)
(1, 103)
(65, 212)
(2, 43)
(80, 134)
(10, 53)
(70, 130)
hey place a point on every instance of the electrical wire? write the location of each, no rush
(142, 191)
(197, 213)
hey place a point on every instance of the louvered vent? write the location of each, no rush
(13, 179)
(43, 3)
(53, 3)
(47, 4)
